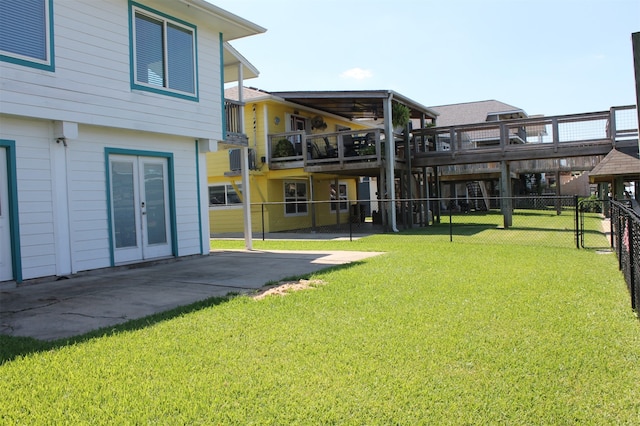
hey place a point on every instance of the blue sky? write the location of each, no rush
(544, 56)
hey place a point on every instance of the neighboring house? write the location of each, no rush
(308, 151)
(107, 111)
(275, 130)
(469, 183)
(474, 181)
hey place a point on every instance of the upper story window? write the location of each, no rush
(163, 53)
(26, 33)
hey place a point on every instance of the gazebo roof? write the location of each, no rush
(617, 164)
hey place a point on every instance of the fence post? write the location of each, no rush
(450, 221)
(262, 218)
(350, 230)
(632, 283)
(619, 239)
(611, 228)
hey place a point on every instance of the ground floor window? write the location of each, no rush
(338, 196)
(224, 195)
(295, 198)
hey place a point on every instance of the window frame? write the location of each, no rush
(167, 20)
(29, 61)
(227, 189)
(299, 204)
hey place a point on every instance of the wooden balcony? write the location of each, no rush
(537, 138)
(357, 152)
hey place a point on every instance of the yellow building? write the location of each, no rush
(307, 153)
(284, 194)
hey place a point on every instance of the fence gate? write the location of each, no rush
(590, 210)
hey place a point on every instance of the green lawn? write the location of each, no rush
(432, 332)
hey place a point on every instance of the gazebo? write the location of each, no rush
(618, 167)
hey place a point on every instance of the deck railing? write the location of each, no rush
(553, 139)
(298, 149)
(233, 119)
(580, 132)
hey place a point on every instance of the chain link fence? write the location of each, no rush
(541, 220)
(625, 240)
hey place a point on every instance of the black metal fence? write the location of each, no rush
(625, 240)
(540, 220)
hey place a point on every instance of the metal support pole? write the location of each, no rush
(246, 199)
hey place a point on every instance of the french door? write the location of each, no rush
(139, 208)
(6, 268)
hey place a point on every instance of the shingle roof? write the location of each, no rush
(470, 112)
(247, 93)
(616, 163)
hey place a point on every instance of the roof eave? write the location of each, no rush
(231, 26)
(233, 58)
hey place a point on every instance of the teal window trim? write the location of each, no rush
(49, 64)
(172, 193)
(14, 221)
(136, 85)
(202, 251)
(224, 115)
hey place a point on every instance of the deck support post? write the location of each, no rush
(409, 191)
(505, 193)
(390, 154)
(558, 194)
(312, 197)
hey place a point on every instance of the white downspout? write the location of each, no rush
(391, 160)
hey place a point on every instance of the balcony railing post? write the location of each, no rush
(612, 126)
(504, 136)
(452, 141)
(555, 130)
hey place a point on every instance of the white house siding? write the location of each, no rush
(91, 82)
(89, 198)
(62, 190)
(35, 200)
(63, 193)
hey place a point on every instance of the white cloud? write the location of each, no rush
(356, 74)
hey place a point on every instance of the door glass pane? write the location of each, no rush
(124, 220)
(155, 203)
